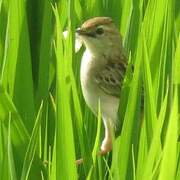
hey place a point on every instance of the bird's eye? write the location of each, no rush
(100, 31)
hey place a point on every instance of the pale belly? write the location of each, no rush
(93, 94)
(108, 104)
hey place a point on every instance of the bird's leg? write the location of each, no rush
(106, 145)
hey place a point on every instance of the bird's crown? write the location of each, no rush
(96, 21)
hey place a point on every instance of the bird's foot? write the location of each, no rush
(105, 147)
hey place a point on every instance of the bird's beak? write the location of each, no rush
(82, 32)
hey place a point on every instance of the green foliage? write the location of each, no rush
(37, 64)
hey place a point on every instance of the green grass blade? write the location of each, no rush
(64, 131)
(177, 63)
(12, 170)
(169, 160)
(19, 134)
(96, 144)
(126, 135)
(46, 51)
(155, 150)
(31, 149)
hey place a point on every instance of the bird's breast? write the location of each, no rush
(91, 91)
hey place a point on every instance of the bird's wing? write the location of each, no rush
(110, 77)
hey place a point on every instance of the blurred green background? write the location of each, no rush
(45, 124)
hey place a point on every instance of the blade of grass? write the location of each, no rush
(19, 134)
(31, 149)
(45, 54)
(65, 155)
(155, 147)
(126, 135)
(169, 159)
(150, 109)
(91, 174)
(11, 164)
(177, 63)
(96, 144)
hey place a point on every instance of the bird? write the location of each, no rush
(102, 71)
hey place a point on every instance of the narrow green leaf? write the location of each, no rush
(126, 135)
(169, 159)
(11, 164)
(64, 131)
(31, 150)
(177, 63)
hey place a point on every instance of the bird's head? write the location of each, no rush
(100, 35)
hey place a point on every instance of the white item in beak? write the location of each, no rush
(78, 42)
